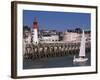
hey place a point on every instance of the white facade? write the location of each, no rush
(49, 39)
(71, 37)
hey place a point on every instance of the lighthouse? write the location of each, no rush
(35, 31)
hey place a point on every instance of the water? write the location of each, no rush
(54, 62)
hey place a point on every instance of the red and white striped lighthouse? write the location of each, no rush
(35, 29)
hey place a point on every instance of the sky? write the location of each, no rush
(60, 21)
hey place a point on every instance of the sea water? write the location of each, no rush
(54, 62)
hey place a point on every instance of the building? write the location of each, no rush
(27, 37)
(49, 39)
(48, 36)
(71, 37)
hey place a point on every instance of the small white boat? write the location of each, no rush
(81, 57)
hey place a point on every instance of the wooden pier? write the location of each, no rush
(45, 50)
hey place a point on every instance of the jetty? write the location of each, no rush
(45, 50)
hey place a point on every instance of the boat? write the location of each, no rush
(82, 55)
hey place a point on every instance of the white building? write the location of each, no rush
(49, 39)
(71, 37)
